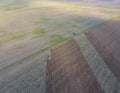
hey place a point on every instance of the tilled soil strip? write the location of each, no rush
(68, 72)
(106, 39)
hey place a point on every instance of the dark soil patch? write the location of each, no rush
(68, 72)
(106, 39)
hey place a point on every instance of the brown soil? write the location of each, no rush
(68, 72)
(106, 40)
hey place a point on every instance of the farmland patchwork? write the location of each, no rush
(29, 30)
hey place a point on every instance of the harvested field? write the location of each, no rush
(106, 40)
(68, 72)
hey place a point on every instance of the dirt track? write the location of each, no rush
(68, 72)
(106, 40)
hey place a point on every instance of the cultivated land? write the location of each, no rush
(108, 82)
(69, 72)
(106, 40)
(27, 32)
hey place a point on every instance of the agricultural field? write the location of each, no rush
(28, 30)
(107, 43)
(68, 72)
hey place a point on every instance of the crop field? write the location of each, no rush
(29, 29)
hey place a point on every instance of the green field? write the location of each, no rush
(29, 30)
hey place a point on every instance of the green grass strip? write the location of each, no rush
(13, 37)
